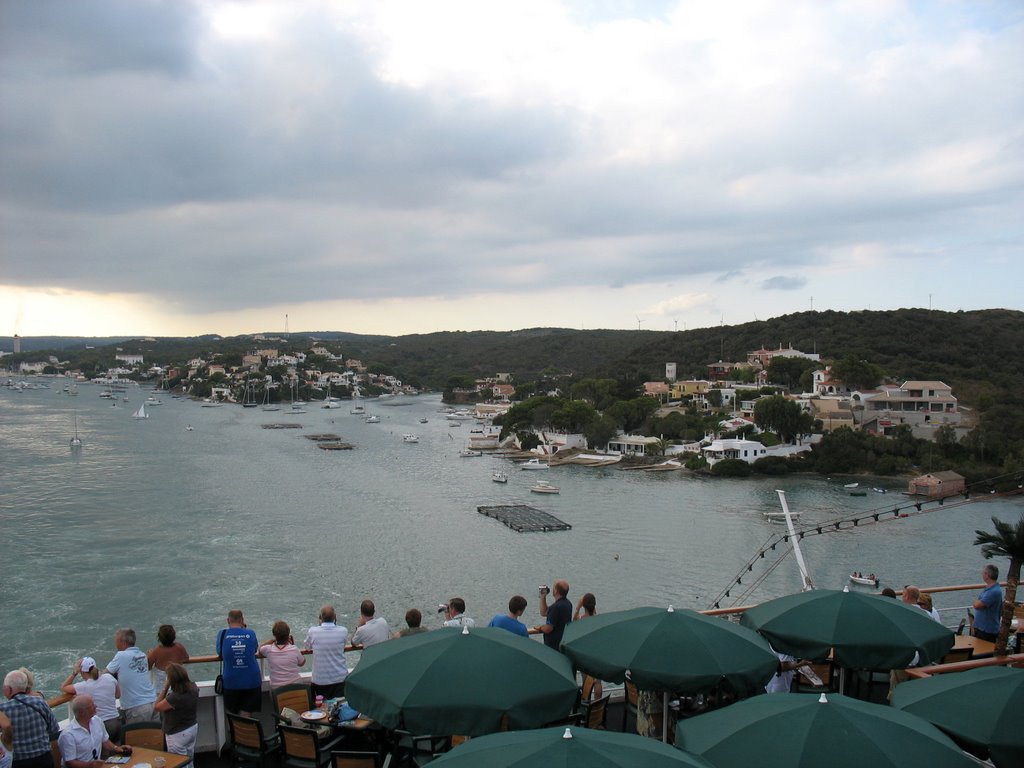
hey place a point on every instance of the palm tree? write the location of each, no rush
(1007, 541)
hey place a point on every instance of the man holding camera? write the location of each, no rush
(558, 614)
(454, 613)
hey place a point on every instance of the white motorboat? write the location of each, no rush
(211, 404)
(851, 485)
(423, 420)
(154, 401)
(533, 463)
(858, 578)
(466, 453)
(373, 419)
(358, 410)
(543, 486)
(407, 438)
(499, 477)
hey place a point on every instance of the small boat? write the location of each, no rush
(533, 463)
(858, 493)
(188, 428)
(499, 477)
(373, 419)
(358, 410)
(543, 486)
(211, 404)
(870, 580)
(407, 438)
(879, 490)
(154, 401)
(851, 485)
(141, 413)
(423, 420)
(466, 453)
(76, 441)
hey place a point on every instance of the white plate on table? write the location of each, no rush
(313, 714)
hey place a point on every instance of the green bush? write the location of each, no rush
(732, 468)
(772, 465)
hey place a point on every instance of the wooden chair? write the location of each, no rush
(302, 747)
(595, 713)
(355, 759)
(248, 744)
(958, 654)
(587, 689)
(149, 735)
(295, 696)
(410, 751)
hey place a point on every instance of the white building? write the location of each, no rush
(744, 450)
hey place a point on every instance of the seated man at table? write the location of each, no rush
(510, 620)
(372, 629)
(84, 742)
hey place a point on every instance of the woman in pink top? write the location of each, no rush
(283, 658)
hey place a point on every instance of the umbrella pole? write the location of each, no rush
(664, 718)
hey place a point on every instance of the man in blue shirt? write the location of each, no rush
(510, 621)
(131, 668)
(988, 608)
(237, 646)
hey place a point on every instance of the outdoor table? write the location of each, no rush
(981, 647)
(141, 755)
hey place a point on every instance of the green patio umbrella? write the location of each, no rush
(567, 748)
(462, 681)
(980, 708)
(865, 631)
(797, 730)
(672, 651)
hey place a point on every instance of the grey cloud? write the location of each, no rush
(780, 283)
(55, 37)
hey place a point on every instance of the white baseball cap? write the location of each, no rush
(88, 662)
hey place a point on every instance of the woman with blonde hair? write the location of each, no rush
(177, 702)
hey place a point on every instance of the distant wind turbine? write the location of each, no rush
(638, 321)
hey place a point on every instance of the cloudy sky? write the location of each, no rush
(173, 168)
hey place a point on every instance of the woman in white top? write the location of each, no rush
(103, 689)
(283, 658)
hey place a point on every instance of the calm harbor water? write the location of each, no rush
(150, 522)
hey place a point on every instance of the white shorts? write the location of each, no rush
(183, 742)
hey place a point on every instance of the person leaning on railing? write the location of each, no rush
(103, 689)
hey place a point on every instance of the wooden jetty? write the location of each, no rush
(524, 519)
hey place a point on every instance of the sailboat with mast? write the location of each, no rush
(76, 441)
(141, 413)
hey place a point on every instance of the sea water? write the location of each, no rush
(150, 522)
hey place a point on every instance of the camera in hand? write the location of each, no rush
(544, 589)
(442, 607)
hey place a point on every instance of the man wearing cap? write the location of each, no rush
(84, 742)
(131, 668)
(102, 688)
(35, 728)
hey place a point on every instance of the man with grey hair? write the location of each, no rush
(131, 668)
(84, 742)
(988, 607)
(35, 727)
